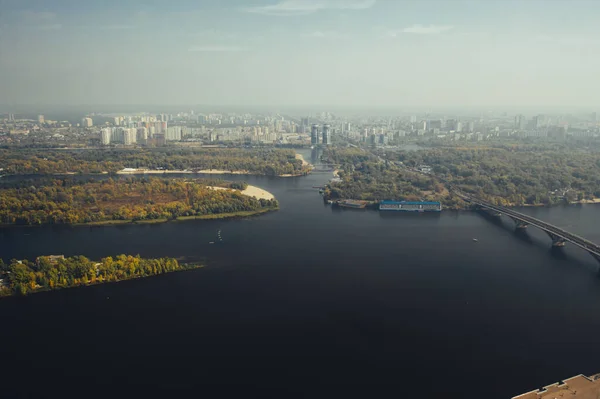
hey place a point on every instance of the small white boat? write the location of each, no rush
(475, 239)
(212, 242)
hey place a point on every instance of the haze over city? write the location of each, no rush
(346, 53)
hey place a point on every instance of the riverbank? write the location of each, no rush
(108, 270)
(131, 171)
(230, 215)
(251, 191)
(5, 293)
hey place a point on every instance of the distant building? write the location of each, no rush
(11, 117)
(435, 124)
(87, 122)
(520, 122)
(314, 134)
(18, 132)
(40, 119)
(106, 135)
(129, 136)
(142, 134)
(173, 133)
(326, 133)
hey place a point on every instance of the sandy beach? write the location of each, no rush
(129, 171)
(300, 157)
(251, 191)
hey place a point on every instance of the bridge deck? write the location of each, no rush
(581, 242)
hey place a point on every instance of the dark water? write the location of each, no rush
(373, 305)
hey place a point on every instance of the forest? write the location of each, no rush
(509, 175)
(70, 201)
(22, 277)
(515, 175)
(365, 177)
(259, 161)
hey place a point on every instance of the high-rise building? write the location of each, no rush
(106, 135)
(87, 122)
(129, 136)
(435, 124)
(142, 135)
(537, 121)
(520, 122)
(471, 126)
(326, 134)
(40, 119)
(413, 118)
(11, 117)
(314, 134)
(173, 133)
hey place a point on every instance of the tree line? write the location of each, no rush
(516, 175)
(261, 161)
(69, 201)
(508, 175)
(365, 177)
(22, 277)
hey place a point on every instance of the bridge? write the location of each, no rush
(559, 236)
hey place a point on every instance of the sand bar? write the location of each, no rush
(251, 191)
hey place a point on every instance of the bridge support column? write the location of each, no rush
(490, 212)
(556, 240)
(519, 224)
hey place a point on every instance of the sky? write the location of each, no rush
(388, 53)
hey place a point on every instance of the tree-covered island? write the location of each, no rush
(21, 277)
(126, 200)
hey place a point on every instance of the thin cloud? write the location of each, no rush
(325, 34)
(38, 16)
(303, 7)
(427, 29)
(117, 27)
(49, 27)
(216, 49)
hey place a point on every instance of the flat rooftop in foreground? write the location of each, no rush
(580, 387)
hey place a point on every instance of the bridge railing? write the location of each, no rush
(589, 245)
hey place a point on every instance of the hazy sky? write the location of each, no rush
(300, 52)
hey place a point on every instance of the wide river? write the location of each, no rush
(311, 295)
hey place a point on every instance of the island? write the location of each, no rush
(129, 200)
(22, 277)
(254, 161)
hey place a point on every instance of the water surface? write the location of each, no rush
(310, 295)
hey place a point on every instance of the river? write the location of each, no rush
(311, 295)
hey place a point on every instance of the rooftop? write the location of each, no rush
(580, 387)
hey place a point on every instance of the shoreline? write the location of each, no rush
(125, 172)
(188, 267)
(231, 215)
(250, 191)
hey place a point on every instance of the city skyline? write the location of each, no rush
(346, 53)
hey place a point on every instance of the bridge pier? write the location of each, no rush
(556, 240)
(490, 212)
(519, 224)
